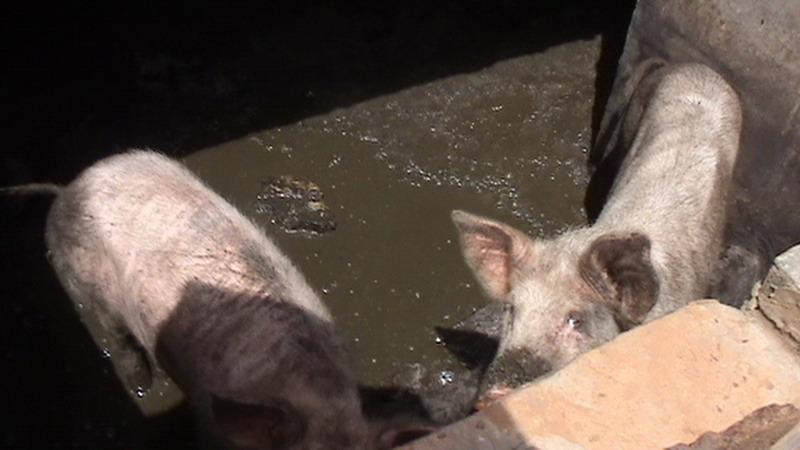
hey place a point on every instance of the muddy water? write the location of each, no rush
(508, 141)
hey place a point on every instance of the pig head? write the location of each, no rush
(568, 295)
(653, 246)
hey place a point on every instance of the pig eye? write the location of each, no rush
(574, 321)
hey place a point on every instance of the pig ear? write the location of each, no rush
(618, 268)
(495, 252)
(273, 426)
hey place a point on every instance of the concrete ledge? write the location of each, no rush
(702, 368)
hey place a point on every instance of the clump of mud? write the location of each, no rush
(295, 205)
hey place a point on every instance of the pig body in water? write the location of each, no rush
(651, 250)
(159, 256)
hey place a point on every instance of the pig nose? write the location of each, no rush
(533, 366)
(514, 368)
(525, 365)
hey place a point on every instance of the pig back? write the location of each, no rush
(134, 230)
(674, 181)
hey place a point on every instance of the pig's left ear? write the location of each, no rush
(619, 269)
(495, 252)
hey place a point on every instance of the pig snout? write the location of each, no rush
(509, 371)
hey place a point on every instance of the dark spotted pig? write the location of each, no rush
(651, 249)
(146, 244)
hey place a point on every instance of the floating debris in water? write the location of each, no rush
(446, 377)
(502, 184)
(139, 391)
(294, 205)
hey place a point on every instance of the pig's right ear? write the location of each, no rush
(618, 267)
(495, 252)
(257, 426)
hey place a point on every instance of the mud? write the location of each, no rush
(508, 141)
(294, 205)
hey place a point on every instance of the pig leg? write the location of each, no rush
(737, 271)
(131, 363)
(67, 253)
(128, 358)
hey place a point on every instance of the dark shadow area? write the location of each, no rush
(83, 81)
(613, 142)
(386, 402)
(472, 348)
(448, 390)
(613, 42)
(475, 340)
(59, 390)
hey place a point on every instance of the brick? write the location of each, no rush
(703, 368)
(758, 431)
(789, 263)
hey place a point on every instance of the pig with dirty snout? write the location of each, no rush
(159, 256)
(650, 251)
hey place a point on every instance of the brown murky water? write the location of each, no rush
(507, 141)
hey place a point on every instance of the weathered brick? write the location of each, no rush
(702, 368)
